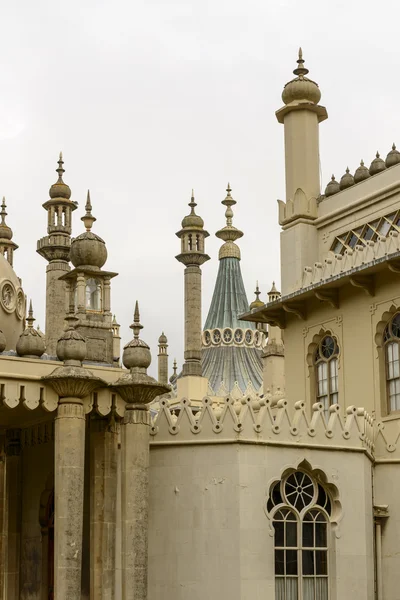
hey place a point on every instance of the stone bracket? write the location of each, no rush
(330, 295)
(297, 308)
(365, 282)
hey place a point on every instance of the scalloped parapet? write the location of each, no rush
(257, 420)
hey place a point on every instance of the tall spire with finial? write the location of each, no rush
(7, 246)
(257, 303)
(229, 233)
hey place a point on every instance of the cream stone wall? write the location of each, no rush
(210, 536)
(354, 323)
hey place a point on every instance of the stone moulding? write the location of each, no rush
(33, 393)
(255, 420)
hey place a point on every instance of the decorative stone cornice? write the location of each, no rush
(73, 382)
(192, 259)
(136, 387)
(300, 207)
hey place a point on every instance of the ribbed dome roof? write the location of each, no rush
(333, 187)
(5, 231)
(192, 220)
(301, 88)
(361, 173)
(88, 249)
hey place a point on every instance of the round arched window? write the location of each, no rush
(93, 294)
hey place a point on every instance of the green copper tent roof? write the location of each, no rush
(229, 299)
(230, 364)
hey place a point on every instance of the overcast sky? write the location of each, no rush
(149, 98)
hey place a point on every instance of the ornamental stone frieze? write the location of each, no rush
(12, 299)
(228, 336)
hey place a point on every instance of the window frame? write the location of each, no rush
(279, 494)
(320, 360)
(390, 339)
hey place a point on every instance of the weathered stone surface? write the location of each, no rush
(69, 484)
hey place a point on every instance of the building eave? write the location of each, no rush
(274, 313)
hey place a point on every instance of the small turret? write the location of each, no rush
(89, 292)
(55, 249)
(7, 246)
(163, 359)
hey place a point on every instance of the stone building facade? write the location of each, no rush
(114, 487)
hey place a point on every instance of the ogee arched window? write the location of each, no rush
(326, 371)
(391, 338)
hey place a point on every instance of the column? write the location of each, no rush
(81, 292)
(69, 482)
(192, 354)
(103, 479)
(135, 499)
(13, 493)
(3, 519)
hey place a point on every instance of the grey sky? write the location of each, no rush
(148, 99)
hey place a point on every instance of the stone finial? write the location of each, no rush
(301, 88)
(88, 249)
(71, 346)
(333, 187)
(192, 220)
(88, 219)
(31, 343)
(361, 173)
(229, 234)
(136, 353)
(347, 180)
(257, 303)
(377, 165)
(301, 69)
(136, 387)
(5, 231)
(60, 189)
(393, 157)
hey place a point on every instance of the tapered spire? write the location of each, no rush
(88, 219)
(30, 319)
(136, 325)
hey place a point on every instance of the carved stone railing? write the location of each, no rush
(336, 264)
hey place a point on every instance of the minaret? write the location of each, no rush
(274, 355)
(300, 116)
(7, 246)
(115, 327)
(89, 291)
(55, 249)
(231, 353)
(163, 359)
(192, 236)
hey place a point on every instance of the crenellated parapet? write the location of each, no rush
(257, 420)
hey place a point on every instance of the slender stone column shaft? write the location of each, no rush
(103, 516)
(192, 352)
(14, 512)
(135, 495)
(55, 303)
(3, 520)
(69, 482)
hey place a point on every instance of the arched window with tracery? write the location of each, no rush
(391, 338)
(300, 508)
(326, 371)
